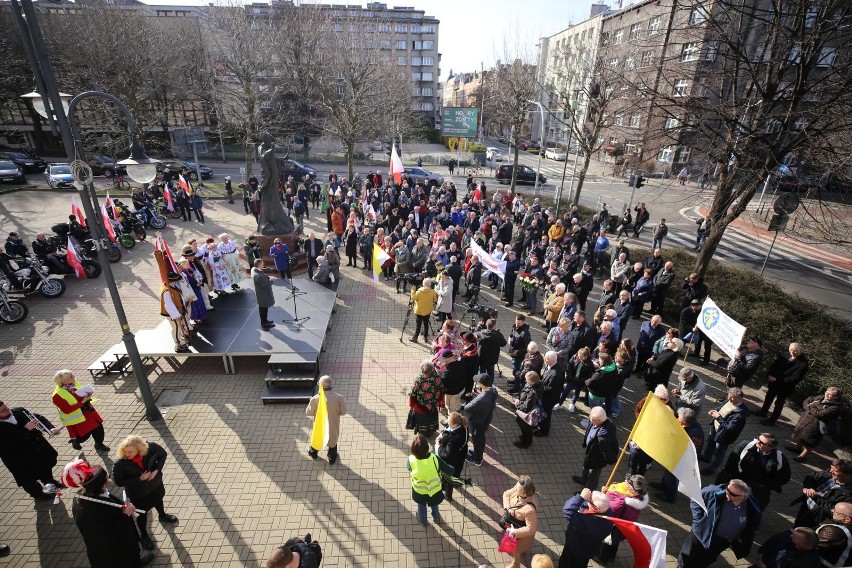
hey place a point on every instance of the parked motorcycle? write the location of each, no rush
(35, 277)
(60, 239)
(87, 243)
(130, 224)
(150, 217)
(11, 311)
(163, 208)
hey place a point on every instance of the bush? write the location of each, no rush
(777, 317)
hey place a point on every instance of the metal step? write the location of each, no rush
(278, 360)
(290, 376)
(291, 393)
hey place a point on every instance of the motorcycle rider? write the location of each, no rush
(142, 203)
(15, 246)
(9, 271)
(48, 253)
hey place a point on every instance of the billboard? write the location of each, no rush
(460, 122)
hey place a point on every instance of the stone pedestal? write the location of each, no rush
(298, 259)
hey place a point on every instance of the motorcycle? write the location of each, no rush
(11, 311)
(150, 217)
(130, 224)
(60, 239)
(87, 243)
(35, 277)
(163, 208)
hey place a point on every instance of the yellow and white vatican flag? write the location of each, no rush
(319, 437)
(379, 258)
(661, 436)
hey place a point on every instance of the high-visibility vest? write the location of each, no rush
(75, 416)
(425, 475)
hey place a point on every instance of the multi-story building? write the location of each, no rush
(462, 89)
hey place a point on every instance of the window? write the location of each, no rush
(681, 87)
(415, 76)
(415, 29)
(427, 77)
(428, 61)
(654, 25)
(827, 57)
(416, 60)
(647, 58)
(683, 154)
(641, 92)
(608, 91)
(338, 27)
(402, 61)
(385, 44)
(341, 89)
(369, 28)
(335, 13)
(401, 44)
(700, 89)
(353, 27)
(712, 50)
(426, 91)
(618, 119)
(624, 89)
(813, 15)
(634, 120)
(672, 122)
(613, 63)
(417, 45)
(665, 154)
(430, 29)
(384, 28)
(689, 51)
(428, 44)
(401, 28)
(698, 14)
(634, 31)
(630, 63)
(800, 124)
(773, 126)
(618, 36)
(427, 106)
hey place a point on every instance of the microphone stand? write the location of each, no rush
(296, 320)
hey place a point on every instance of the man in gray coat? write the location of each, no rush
(335, 408)
(263, 290)
(480, 412)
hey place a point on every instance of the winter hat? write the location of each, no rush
(639, 484)
(79, 473)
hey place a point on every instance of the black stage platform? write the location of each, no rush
(233, 329)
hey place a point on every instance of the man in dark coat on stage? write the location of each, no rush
(29, 457)
(263, 290)
(109, 532)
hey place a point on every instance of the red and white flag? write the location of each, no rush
(108, 224)
(648, 543)
(111, 207)
(184, 184)
(73, 259)
(77, 212)
(167, 195)
(396, 168)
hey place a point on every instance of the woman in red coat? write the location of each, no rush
(76, 412)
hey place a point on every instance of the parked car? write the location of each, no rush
(424, 177)
(493, 154)
(27, 163)
(525, 174)
(179, 165)
(105, 166)
(9, 172)
(296, 169)
(796, 183)
(555, 154)
(377, 146)
(59, 176)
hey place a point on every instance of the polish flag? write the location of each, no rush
(184, 184)
(73, 259)
(648, 543)
(77, 212)
(396, 168)
(108, 224)
(111, 207)
(167, 194)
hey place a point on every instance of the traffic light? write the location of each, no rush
(632, 180)
(640, 181)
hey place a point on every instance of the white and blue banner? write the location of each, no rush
(722, 330)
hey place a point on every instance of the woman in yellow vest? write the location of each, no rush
(426, 467)
(76, 412)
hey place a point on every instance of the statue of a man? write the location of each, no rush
(272, 219)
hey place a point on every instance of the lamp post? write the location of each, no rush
(139, 167)
(568, 149)
(541, 144)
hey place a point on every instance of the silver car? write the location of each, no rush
(59, 176)
(424, 177)
(9, 172)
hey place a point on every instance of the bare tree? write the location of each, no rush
(771, 84)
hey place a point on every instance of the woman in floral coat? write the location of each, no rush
(231, 255)
(218, 269)
(425, 395)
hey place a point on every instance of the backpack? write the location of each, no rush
(309, 551)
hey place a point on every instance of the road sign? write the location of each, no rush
(460, 122)
(786, 203)
(243, 170)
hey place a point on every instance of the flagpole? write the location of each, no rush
(629, 437)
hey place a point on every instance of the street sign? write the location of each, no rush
(786, 203)
(460, 122)
(243, 170)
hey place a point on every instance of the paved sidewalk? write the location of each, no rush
(237, 474)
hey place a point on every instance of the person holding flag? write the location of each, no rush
(326, 408)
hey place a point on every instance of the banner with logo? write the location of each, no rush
(489, 263)
(722, 330)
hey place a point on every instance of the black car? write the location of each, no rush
(296, 169)
(525, 174)
(105, 166)
(10, 172)
(177, 166)
(27, 163)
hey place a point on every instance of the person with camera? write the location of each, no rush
(491, 340)
(425, 299)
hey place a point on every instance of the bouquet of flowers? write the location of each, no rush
(528, 282)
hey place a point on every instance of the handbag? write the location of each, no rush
(409, 422)
(507, 519)
(534, 416)
(508, 544)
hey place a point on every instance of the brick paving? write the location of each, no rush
(238, 476)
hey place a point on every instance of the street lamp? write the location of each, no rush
(138, 164)
(38, 101)
(568, 149)
(541, 144)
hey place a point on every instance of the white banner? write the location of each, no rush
(722, 330)
(489, 263)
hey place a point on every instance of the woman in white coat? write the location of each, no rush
(445, 297)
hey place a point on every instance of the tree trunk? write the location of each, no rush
(582, 177)
(515, 170)
(350, 158)
(248, 143)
